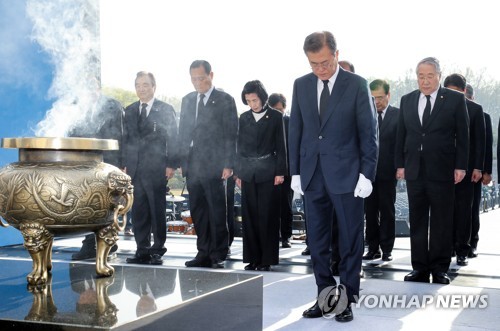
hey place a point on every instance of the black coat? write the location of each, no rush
(152, 149)
(105, 122)
(477, 136)
(386, 169)
(261, 147)
(443, 142)
(213, 135)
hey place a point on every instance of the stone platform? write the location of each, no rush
(135, 298)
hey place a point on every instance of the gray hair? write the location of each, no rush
(432, 61)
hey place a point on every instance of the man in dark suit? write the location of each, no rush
(207, 142)
(464, 191)
(149, 157)
(278, 102)
(380, 212)
(333, 156)
(486, 178)
(431, 154)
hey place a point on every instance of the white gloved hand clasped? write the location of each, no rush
(295, 185)
(363, 187)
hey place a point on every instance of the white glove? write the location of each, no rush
(295, 185)
(363, 187)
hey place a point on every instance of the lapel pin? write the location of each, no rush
(267, 116)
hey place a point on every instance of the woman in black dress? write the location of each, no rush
(260, 168)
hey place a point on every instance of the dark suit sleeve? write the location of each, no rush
(112, 128)
(172, 145)
(367, 131)
(230, 127)
(478, 134)
(399, 161)
(294, 134)
(462, 135)
(488, 151)
(281, 169)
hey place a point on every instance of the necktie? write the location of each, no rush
(201, 105)
(144, 113)
(427, 110)
(323, 99)
(379, 119)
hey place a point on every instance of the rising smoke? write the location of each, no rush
(69, 32)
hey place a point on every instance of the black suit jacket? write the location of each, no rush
(153, 148)
(213, 135)
(106, 122)
(387, 145)
(477, 136)
(443, 142)
(259, 139)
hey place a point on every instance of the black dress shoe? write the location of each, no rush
(306, 251)
(370, 255)
(345, 316)
(417, 276)
(139, 259)
(264, 268)
(84, 254)
(440, 278)
(462, 260)
(472, 253)
(197, 263)
(386, 257)
(313, 312)
(156, 259)
(251, 266)
(217, 264)
(286, 243)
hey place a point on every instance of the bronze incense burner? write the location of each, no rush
(61, 186)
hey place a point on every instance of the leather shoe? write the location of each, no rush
(139, 259)
(417, 276)
(264, 268)
(313, 312)
(286, 243)
(440, 278)
(156, 259)
(345, 316)
(386, 257)
(370, 255)
(462, 260)
(472, 253)
(306, 251)
(197, 263)
(217, 264)
(251, 266)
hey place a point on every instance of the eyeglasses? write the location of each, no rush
(323, 65)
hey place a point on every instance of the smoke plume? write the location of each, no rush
(69, 32)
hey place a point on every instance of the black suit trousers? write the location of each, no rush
(462, 219)
(431, 222)
(286, 216)
(260, 222)
(148, 215)
(207, 203)
(380, 215)
(476, 207)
